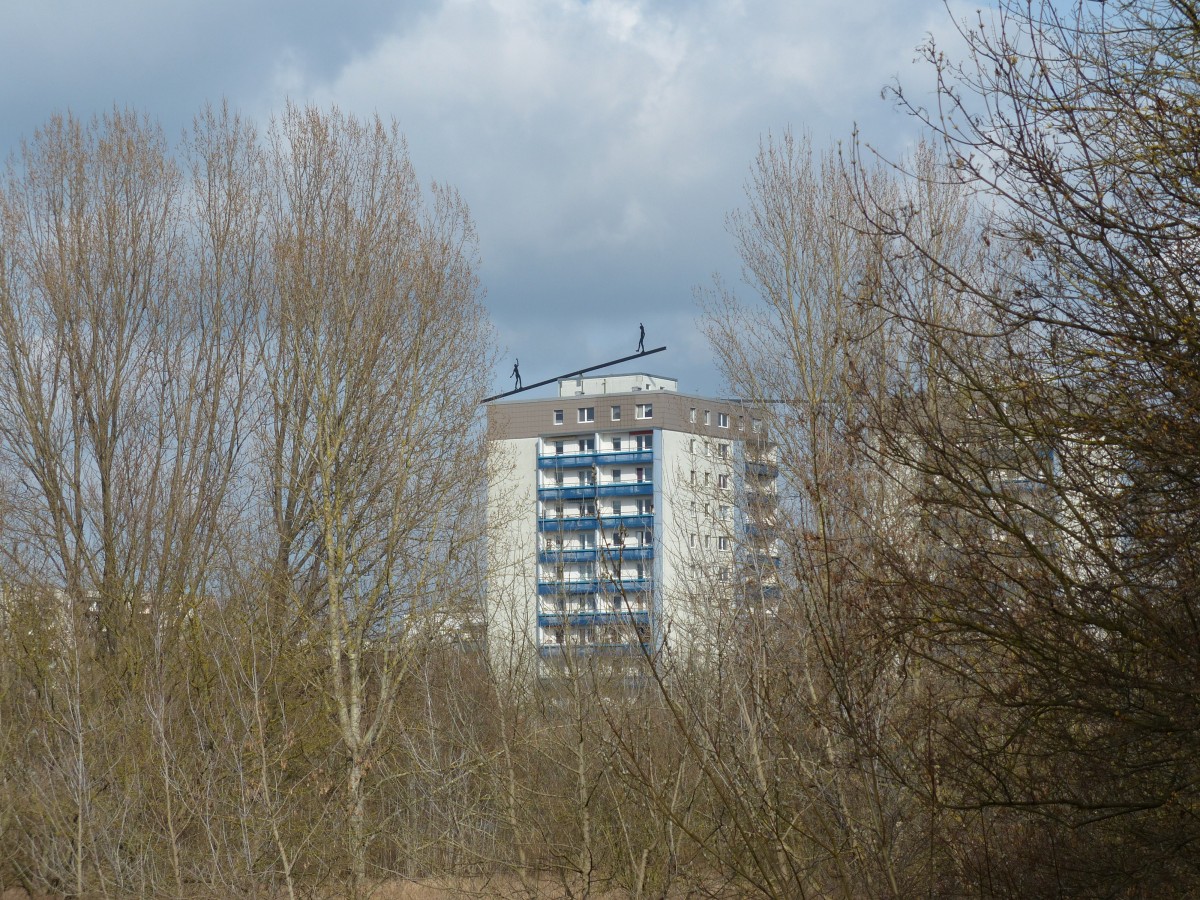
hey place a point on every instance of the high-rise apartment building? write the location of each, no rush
(616, 508)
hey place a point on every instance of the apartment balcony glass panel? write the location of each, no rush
(553, 588)
(552, 524)
(612, 457)
(634, 521)
(553, 620)
(550, 651)
(615, 553)
(635, 489)
(550, 557)
(627, 584)
(573, 492)
(566, 460)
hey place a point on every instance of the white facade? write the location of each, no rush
(615, 510)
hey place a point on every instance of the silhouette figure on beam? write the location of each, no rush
(516, 373)
(641, 338)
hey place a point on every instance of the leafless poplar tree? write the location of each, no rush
(371, 349)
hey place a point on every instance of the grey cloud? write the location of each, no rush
(599, 144)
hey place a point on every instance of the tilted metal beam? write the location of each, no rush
(575, 374)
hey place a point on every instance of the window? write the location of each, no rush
(587, 445)
(643, 474)
(756, 425)
(706, 477)
(723, 451)
(692, 416)
(559, 446)
(616, 443)
(722, 543)
(645, 507)
(616, 474)
(558, 417)
(707, 541)
(707, 418)
(558, 477)
(722, 481)
(644, 411)
(693, 478)
(741, 423)
(616, 507)
(645, 441)
(723, 511)
(722, 420)
(692, 445)
(616, 414)
(587, 508)
(586, 476)
(647, 538)
(587, 414)
(692, 539)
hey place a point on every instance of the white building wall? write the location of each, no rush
(693, 565)
(512, 551)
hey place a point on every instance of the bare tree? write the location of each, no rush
(1055, 476)
(371, 348)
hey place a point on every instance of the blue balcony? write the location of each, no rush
(628, 552)
(551, 524)
(618, 457)
(591, 586)
(634, 489)
(574, 492)
(549, 557)
(633, 521)
(631, 649)
(590, 617)
(556, 588)
(631, 585)
(566, 460)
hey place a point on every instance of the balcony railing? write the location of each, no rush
(566, 460)
(627, 489)
(617, 457)
(591, 491)
(566, 523)
(635, 520)
(636, 585)
(567, 492)
(582, 554)
(615, 553)
(633, 648)
(554, 588)
(592, 458)
(593, 617)
(594, 585)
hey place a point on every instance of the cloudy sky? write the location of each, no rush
(599, 144)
